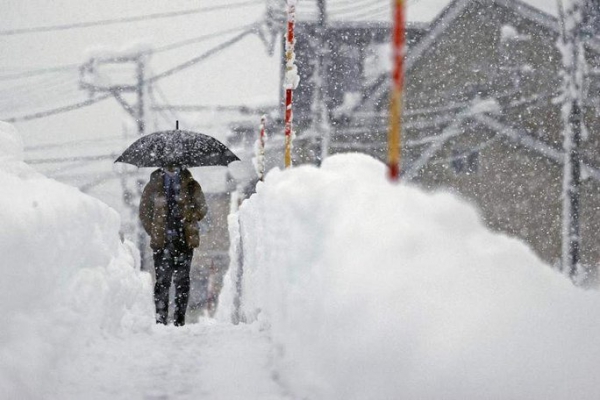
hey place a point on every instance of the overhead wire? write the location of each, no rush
(63, 82)
(55, 160)
(58, 84)
(349, 12)
(365, 12)
(72, 143)
(74, 67)
(375, 14)
(40, 71)
(79, 25)
(199, 39)
(152, 79)
(36, 82)
(353, 7)
(48, 91)
(202, 57)
(58, 110)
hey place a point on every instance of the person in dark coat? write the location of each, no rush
(172, 204)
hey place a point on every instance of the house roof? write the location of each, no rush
(455, 10)
(446, 18)
(424, 11)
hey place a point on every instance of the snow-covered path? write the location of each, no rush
(207, 360)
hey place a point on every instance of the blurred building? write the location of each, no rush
(480, 113)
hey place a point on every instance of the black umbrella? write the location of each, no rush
(177, 148)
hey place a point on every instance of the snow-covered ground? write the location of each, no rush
(352, 288)
(207, 360)
(79, 318)
(377, 291)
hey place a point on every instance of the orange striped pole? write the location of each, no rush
(291, 80)
(395, 127)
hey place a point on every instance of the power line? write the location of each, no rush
(200, 39)
(71, 159)
(365, 11)
(352, 7)
(34, 72)
(172, 46)
(375, 14)
(50, 91)
(58, 110)
(200, 58)
(152, 79)
(10, 89)
(72, 143)
(89, 24)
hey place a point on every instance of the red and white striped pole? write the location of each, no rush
(395, 127)
(291, 80)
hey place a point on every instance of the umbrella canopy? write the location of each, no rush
(177, 148)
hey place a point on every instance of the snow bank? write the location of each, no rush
(376, 291)
(65, 274)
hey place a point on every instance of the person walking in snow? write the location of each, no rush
(171, 206)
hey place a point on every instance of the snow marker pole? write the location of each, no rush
(395, 127)
(288, 128)
(291, 80)
(261, 148)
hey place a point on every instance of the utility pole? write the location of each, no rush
(140, 96)
(574, 75)
(141, 125)
(93, 79)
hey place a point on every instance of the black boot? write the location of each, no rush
(161, 317)
(179, 319)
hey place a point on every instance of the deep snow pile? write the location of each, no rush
(376, 291)
(66, 276)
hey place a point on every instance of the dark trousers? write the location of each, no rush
(172, 263)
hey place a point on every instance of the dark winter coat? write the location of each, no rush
(153, 209)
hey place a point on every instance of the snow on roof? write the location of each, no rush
(455, 8)
(418, 11)
(447, 11)
(428, 10)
